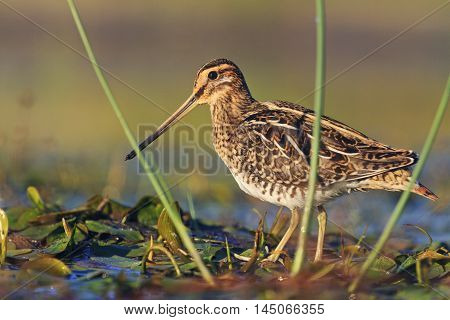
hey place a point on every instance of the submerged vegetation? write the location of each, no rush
(104, 249)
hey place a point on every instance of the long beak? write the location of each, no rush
(185, 108)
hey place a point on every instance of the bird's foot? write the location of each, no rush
(272, 258)
(275, 256)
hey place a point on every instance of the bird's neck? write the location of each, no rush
(230, 108)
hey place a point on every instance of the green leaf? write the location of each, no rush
(40, 232)
(188, 266)
(109, 207)
(61, 243)
(167, 230)
(322, 272)
(247, 253)
(117, 261)
(437, 270)
(98, 227)
(383, 263)
(133, 251)
(17, 252)
(147, 211)
(93, 202)
(136, 252)
(418, 293)
(57, 246)
(381, 269)
(209, 252)
(116, 210)
(407, 263)
(20, 217)
(53, 217)
(35, 198)
(47, 265)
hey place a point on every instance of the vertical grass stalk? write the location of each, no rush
(3, 236)
(319, 95)
(192, 211)
(154, 177)
(398, 210)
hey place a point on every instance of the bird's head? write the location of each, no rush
(219, 82)
(219, 79)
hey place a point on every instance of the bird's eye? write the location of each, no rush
(213, 75)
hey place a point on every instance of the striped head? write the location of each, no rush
(220, 84)
(220, 79)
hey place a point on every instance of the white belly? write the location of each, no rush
(282, 196)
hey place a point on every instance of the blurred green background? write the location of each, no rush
(58, 132)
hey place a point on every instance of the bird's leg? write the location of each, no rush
(322, 218)
(295, 218)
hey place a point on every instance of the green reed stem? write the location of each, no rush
(153, 177)
(319, 97)
(3, 236)
(396, 214)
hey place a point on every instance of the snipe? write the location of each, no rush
(267, 148)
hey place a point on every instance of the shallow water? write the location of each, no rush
(349, 218)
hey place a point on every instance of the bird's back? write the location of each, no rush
(269, 151)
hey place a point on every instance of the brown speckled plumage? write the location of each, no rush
(267, 147)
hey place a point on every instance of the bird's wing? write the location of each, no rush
(345, 153)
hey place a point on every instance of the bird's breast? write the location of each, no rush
(264, 175)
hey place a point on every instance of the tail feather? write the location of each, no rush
(420, 189)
